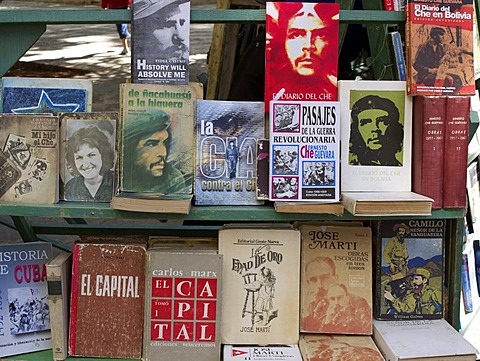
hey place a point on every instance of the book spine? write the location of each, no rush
(55, 302)
(466, 286)
(456, 152)
(399, 56)
(388, 5)
(428, 147)
(74, 301)
(408, 46)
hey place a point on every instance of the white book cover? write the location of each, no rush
(304, 151)
(376, 132)
(261, 353)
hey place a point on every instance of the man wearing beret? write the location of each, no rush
(429, 300)
(146, 151)
(376, 134)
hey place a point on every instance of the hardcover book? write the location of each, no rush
(301, 51)
(376, 131)
(29, 158)
(263, 168)
(59, 274)
(439, 47)
(183, 305)
(457, 122)
(304, 151)
(336, 280)
(421, 340)
(157, 137)
(396, 45)
(261, 277)
(87, 156)
(107, 300)
(24, 311)
(429, 147)
(226, 156)
(45, 95)
(160, 41)
(338, 347)
(410, 269)
(261, 353)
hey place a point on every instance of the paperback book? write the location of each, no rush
(261, 353)
(24, 311)
(261, 272)
(304, 151)
(87, 156)
(336, 279)
(226, 156)
(29, 158)
(160, 41)
(45, 95)
(183, 305)
(410, 269)
(294, 73)
(376, 132)
(439, 47)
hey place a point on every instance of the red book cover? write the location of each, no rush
(388, 5)
(301, 51)
(457, 123)
(428, 147)
(107, 300)
(439, 47)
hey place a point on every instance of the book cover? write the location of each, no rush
(466, 285)
(429, 147)
(376, 131)
(183, 305)
(59, 274)
(261, 353)
(304, 151)
(410, 269)
(107, 300)
(45, 95)
(302, 46)
(473, 193)
(336, 280)
(387, 203)
(87, 156)
(421, 340)
(226, 151)
(24, 311)
(160, 41)
(398, 55)
(457, 122)
(338, 347)
(476, 253)
(157, 137)
(263, 169)
(439, 45)
(261, 277)
(389, 5)
(29, 158)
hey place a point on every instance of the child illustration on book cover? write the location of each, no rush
(411, 270)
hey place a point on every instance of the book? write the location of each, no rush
(466, 285)
(387, 203)
(457, 121)
(396, 49)
(476, 252)
(29, 158)
(25, 323)
(336, 280)
(152, 202)
(87, 156)
(226, 151)
(160, 42)
(439, 48)
(309, 207)
(22, 95)
(305, 75)
(261, 353)
(107, 300)
(419, 340)
(389, 5)
(473, 193)
(429, 147)
(263, 169)
(261, 277)
(183, 305)
(59, 274)
(304, 151)
(338, 347)
(376, 131)
(409, 269)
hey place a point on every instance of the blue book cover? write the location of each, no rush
(24, 311)
(466, 285)
(399, 55)
(45, 95)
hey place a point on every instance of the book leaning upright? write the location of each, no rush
(261, 276)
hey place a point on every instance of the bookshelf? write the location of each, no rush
(28, 26)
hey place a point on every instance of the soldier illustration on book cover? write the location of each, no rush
(28, 309)
(410, 280)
